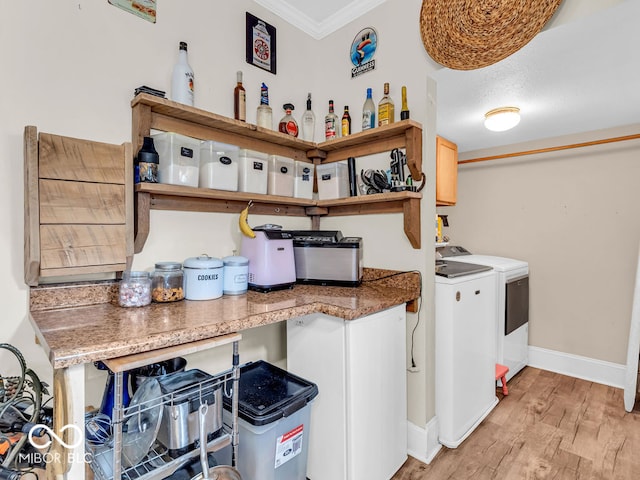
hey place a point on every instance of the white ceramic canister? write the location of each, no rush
(236, 275)
(203, 278)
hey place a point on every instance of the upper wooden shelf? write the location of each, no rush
(154, 113)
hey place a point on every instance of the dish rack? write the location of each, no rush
(106, 459)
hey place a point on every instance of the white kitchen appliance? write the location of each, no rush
(359, 418)
(271, 260)
(464, 349)
(512, 304)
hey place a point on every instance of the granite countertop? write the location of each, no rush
(82, 323)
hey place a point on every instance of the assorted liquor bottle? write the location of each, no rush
(182, 90)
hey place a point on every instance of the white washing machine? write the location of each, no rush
(512, 304)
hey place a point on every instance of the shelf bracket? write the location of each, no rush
(413, 142)
(411, 211)
(142, 206)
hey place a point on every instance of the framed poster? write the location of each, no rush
(261, 44)
(142, 8)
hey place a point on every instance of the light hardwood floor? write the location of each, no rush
(550, 426)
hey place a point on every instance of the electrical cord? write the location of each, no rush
(20, 406)
(413, 362)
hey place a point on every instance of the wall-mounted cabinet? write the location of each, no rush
(156, 113)
(446, 172)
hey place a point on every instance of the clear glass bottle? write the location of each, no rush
(182, 87)
(239, 99)
(386, 110)
(331, 123)
(368, 112)
(167, 282)
(404, 112)
(346, 122)
(308, 122)
(135, 289)
(288, 124)
(264, 115)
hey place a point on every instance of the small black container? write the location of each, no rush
(147, 162)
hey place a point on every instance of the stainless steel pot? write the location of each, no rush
(159, 369)
(219, 472)
(188, 390)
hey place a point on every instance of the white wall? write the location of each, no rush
(400, 60)
(71, 68)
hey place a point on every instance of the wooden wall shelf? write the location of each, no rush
(149, 112)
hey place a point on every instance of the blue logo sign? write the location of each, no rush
(363, 48)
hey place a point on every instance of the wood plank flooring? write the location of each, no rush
(550, 426)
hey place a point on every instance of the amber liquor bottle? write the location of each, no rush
(386, 111)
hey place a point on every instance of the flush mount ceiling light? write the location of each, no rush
(501, 119)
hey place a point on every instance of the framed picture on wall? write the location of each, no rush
(261, 44)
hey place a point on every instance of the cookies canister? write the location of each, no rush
(236, 275)
(203, 278)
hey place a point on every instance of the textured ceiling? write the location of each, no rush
(581, 76)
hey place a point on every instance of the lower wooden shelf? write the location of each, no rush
(156, 196)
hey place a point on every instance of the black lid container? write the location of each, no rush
(268, 393)
(147, 162)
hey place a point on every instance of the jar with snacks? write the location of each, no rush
(167, 282)
(135, 289)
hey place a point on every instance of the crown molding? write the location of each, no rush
(319, 30)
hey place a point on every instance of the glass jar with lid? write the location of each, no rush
(167, 282)
(135, 289)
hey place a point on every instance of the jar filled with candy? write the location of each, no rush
(135, 289)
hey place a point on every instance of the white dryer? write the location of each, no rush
(512, 305)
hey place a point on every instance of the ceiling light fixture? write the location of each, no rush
(501, 119)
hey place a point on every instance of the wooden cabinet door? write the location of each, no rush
(446, 172)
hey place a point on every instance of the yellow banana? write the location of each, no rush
(244, 225)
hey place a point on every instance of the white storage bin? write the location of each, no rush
(303, 182)
(219, 166)
(179, 158)
(333, 180)
(253, 170)
(281, 176)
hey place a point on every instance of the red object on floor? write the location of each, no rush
(501, 373)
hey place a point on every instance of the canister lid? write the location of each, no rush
(168, 266)
(203, 261)
(235, 261)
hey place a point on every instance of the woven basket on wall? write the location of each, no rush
(470, 34)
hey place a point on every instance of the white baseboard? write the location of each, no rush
(422, 443)
(598, 371)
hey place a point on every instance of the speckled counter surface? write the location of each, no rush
(82, 323)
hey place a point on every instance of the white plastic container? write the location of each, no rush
(333, 180)
(281, 176)
(203, 278)
(179, 158)
(303, 181)
(236, 275)
(218, 166)
(252, 168)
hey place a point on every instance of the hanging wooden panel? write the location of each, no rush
(78, 206)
